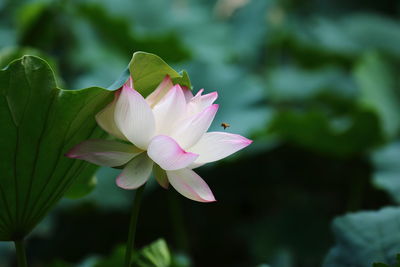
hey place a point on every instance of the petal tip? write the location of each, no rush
(167, 78)
(120, 183)
(165, 186)
(210, 199)
(214, 107)
(73, 152)
(247, 141)
(70, 155)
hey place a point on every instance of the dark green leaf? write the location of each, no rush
(40, 123)
(364, 238)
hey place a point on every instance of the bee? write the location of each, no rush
(225, 125)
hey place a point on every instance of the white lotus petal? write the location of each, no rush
(200, 102)
(191, 129)
(134, 117)
(136, 172)
(105, 119)
(161, 90)
(214, 146)
(190, 184)
(104, 152)
(166, 152)
(169, 110)
(188, 94)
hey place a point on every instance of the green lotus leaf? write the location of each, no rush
(40, 123)
(148, 70)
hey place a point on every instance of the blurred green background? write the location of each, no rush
(314, 82)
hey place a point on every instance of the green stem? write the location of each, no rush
(21, 255)
(132, 225)
(178, 222)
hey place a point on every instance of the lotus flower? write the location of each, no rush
(165, 133)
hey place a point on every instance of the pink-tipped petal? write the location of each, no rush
(105, 119)
(104, 152)
(214, 146)
(188, 94)
(161, 90)
(136, 172)
(190, 184)
(191, 129)
(167, 153)
(134, 117)
(200, 102)
(169, 110)
(161, 176)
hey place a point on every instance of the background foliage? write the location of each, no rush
(313, 82)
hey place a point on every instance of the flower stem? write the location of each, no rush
(178, 222)
(132, 225)
(21, 255)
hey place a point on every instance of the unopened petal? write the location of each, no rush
(214, 146)
(104, 152)
(191, 129)
(134, 117)
(169, 110)
(136, 172)
(161, 90)
(105, 119)
(190, 185)
(167, 153)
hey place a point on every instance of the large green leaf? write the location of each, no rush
(364, 238)
(148, 70)
(40, 123)
(8, 54)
